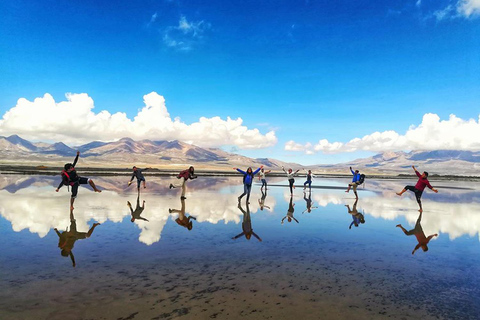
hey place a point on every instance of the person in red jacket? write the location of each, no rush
(184, 176)
(419, 187)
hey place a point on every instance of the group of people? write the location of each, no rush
(72, 180)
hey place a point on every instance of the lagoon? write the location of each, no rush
(323, 267)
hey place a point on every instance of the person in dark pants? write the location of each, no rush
(419, 234)
(67, 239)
(138, 173)
(290, 174)
(419, 187)
(70, 178)
(310, 175)
(247, 182)
(356, 216)
(138, 210)
(261, 176)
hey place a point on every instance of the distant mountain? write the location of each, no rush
(126, 152)
(442, 162)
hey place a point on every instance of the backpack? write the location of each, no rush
(361, 180)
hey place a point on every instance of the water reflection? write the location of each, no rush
(67, 238)
(23, 201)
(261, 201)
(291, 210)
(308, 201)
(419, 234)
(246, 224)
(357, 217)
(136, 214)
(183, 220)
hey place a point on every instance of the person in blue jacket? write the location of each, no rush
(355, 182)
(247, 182)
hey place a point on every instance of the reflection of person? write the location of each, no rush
(70, 178)
(246, 225)
(184, 176)
(138, 210)
(418, 232)
(247, 181)
(290, 174)
(308, 202)
(310, 175)
(138, 173)
(261, 201)
(419, 187)
(67, 239)
(290, 211)
(355, 182)
(356, 216)
(182, 219)
(261, 176)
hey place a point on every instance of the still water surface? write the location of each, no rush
(338, 260)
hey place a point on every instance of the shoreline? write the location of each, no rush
(169, 171)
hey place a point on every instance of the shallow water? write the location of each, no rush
(318, 268)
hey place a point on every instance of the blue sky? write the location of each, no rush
(308, 70)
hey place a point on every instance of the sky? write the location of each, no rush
(303, 81)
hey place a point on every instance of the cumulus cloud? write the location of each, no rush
(432, 134)
(73, 121)
(186, 34)
(462, 9)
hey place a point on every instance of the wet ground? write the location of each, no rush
(339, 260)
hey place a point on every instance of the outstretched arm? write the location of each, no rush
(73, 258)
(295, 219)
(60, 185)
(58, 233)
(351, 170)
(241, 171)
(416, 248)
(76, 158)
(256, 171)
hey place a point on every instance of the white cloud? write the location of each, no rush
(74, 122)
(462, 9)
(432, 134)
(153, 18)
(186, 34)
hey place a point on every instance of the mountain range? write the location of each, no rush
(17, 151)
(123, 153)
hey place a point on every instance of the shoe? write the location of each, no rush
(171, 186)
(183, 197)
(169, 210)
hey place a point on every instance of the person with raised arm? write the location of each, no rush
(290, 176)
(419, 187)
(247, 182)
(355, 182)
(310, 175)
(71, 179)
(356, 216)
(261, 176)
(138, 173)
(419, 234)
(184, 176)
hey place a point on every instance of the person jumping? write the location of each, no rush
(184, 176)
(290, 174)
(419, 187)
(247, 182)
(138, 173)
(70, 178)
